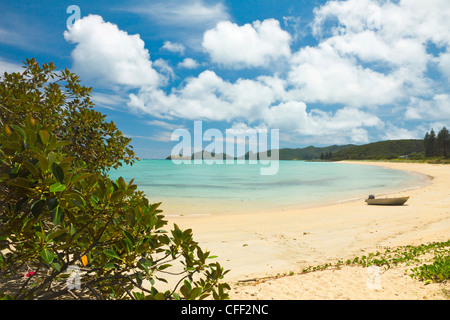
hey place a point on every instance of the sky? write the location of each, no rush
(320, 72)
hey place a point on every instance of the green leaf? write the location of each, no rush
(45, 136)
(47, 255)
(57, 187)
(57, 233)
(57, 215)
(129, 237)
(30, 167)
(159, 296)
(56, 266)
(43, 162)
(195, 293)
(127, 245)
(20, 130)
(37, 207)
(52, 203)
(111, 253)
(62, 143)
(21, 182)
(79, 177)
(185, 291)
(58, 172)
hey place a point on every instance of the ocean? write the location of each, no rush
(233, 188)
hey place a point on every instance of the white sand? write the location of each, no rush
(267, 243)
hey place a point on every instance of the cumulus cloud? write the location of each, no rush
(374, 58)
(188, 63)
(320, 74)
(392, 132)
(436, 108)
(371, 52)
(104, 52)
(173, 47)
(250, 45)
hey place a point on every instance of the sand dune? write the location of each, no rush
(270, 243)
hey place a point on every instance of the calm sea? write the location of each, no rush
(221, 188)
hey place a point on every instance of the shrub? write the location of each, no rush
(59, 211)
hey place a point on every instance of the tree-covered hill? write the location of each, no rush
(382, 150)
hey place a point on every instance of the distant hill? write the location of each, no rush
(309, 153)
(382, 150)
(373, 151)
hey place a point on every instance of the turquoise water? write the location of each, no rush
(220, 188)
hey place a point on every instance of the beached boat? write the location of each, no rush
(387, 201)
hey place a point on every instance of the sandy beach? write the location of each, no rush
(256, 246)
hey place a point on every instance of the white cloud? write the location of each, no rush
(320, 74)
(367, 60)
(444, 64)
(164, 124)
(372, 52)
(437, 108)
(104, 52)
(189, 13)
(293, 116)
(9, 67)
(189, 63)
(208, 96)
(250, 45)
(165, 69)
(394, 133)
(108, 100)
(174, 47)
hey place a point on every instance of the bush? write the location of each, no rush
(60, 212)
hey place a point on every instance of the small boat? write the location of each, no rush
(386, 201)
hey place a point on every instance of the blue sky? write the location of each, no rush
(321, 72)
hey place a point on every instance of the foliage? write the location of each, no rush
(57, 99)
(309, 153)
(390, 149)
(59, 213)
(437, 146)
(438, 271)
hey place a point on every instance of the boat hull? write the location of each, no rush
(387, 201)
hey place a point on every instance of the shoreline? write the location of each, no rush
(254, 207)
(287, 241)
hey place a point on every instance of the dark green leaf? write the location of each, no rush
(31, 168)
(58, 172)
(37, 207)
(195, 293)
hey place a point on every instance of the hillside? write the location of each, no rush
(309, 153)
(382, 150)
(373, 151)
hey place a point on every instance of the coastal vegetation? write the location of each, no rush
(428, 262)
(66, 229)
